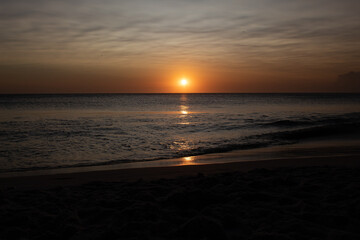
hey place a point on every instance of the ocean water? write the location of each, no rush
(57, 131)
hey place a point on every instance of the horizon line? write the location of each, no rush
(93, 93)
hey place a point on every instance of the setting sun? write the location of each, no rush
(184, 82)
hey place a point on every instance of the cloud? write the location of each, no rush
(238, 34)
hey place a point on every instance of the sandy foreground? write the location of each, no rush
(314, 197)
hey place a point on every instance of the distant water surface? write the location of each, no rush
(56, 131)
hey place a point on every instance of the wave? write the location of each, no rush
(317, 132)
(249, 142)
(35, 144)
(286, 123)
(299, 121)
(284, 137)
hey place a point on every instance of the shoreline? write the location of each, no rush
(318, 147)
(308, 154)
(314, 147)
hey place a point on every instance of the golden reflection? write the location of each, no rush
(183, 107)
(183, 98)
(184, 110)
(188, 160)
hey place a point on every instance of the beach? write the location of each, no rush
(314, 197)
(180, 166)
(179, 120)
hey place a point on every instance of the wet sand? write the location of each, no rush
(314, 197)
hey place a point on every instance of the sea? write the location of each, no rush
(76, 130)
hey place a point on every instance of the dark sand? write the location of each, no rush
(309, 198)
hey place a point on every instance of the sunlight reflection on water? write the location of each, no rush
(50, 131)
(188, 160)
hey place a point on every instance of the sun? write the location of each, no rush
(184, 82)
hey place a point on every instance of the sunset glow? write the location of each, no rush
(153, 47)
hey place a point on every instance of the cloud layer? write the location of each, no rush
(299, 37)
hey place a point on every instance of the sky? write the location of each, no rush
(146, 46)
